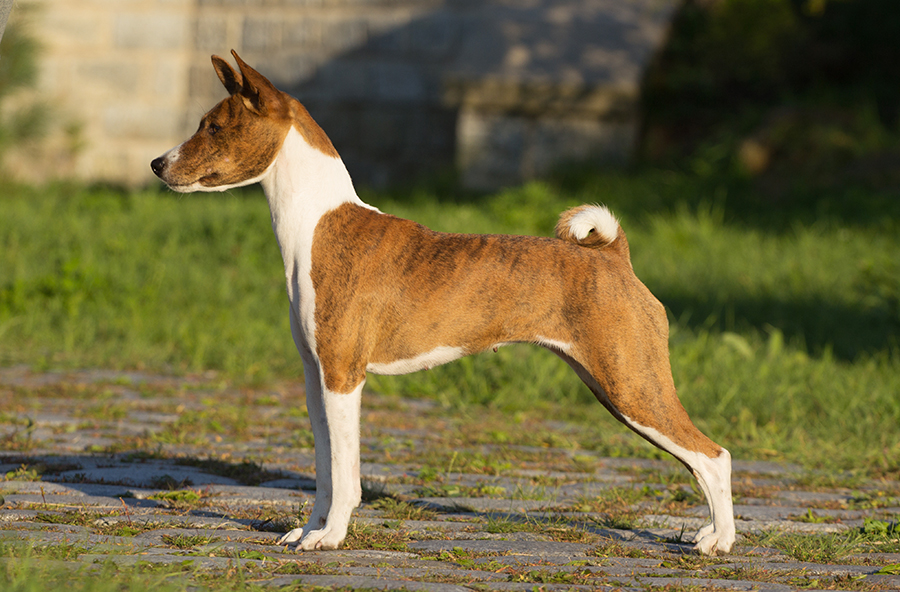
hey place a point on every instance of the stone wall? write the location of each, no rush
(114, 74)
(501, 89)
(5, 8)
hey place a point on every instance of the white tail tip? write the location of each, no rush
(592, 225)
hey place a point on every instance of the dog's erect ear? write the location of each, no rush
(255, 88)
(230, 79)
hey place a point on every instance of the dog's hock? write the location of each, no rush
(714, 476)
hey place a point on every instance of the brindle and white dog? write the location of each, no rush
(370, 292)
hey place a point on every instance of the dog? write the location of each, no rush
(370, 292)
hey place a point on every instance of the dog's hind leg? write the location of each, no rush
(712, 470)
(716, 485)
(636, 385)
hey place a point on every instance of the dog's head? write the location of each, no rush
(237, 140)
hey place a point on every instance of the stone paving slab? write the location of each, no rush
(135, 469)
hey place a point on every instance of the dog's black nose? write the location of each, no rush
(158, 165)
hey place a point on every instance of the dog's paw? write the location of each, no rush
(291, 537)
(322, 539)
(706, 530)
(713, 543)
(298, 534)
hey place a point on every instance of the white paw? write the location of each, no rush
(714, 544)
(324, 538)
(292, 536)
(708, 529)
(299, 533)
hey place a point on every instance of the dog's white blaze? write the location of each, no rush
(439, 355)
(596, 218)
(714, 477)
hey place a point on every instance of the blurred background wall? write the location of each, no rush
(498, 91)
(501, 90)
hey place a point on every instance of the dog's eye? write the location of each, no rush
(213, 129)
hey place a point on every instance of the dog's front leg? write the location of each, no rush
(343, 490)
(315, 406)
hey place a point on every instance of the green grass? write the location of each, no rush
(28, 570)
(184, 541)
(874, 536)
(102, 278)
(784, 315)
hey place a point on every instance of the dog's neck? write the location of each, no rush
(301, 185)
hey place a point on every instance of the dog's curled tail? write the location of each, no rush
(588, 226)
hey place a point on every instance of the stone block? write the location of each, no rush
(383, 130)
(303, 32)
(389, 37)
(108, 75)
(554, 141)
(303, 3)
(168, 79)
(539, 97)
(210, 33)
(533, 83)
(342, 80)
(490, 149)
(398, 82)
(70, 29)
(344, 34)
(434, 36)
(332, 35)
(289, 70)
(55, 77)
(262, 33)
(204, 85)
(150, 31)
(496, 149)
(107, 163)
(229, 3)
(133, 121)
(341, 123)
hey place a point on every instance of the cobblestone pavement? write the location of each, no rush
(130, 468)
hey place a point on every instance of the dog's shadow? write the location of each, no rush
(634, 541)
(128, 479)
